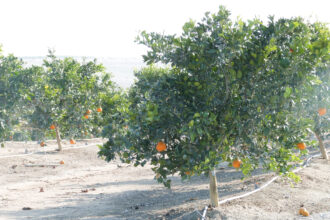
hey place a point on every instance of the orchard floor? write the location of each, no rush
(87, 187)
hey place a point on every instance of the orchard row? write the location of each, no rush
(246, 92)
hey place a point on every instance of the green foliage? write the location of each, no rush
(63, 92)
(11, 82)
(316, 95)
(231, 92)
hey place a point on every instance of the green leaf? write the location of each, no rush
(239, 74)
(288, 91)
(197, 84)
(197, 115)
(232, 72)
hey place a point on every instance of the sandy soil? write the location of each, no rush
(86, 187)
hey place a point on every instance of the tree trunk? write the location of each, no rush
(58, 138)
(322, 148)
(213, 189)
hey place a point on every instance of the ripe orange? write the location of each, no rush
(187, 173)
(301, 146)
(161, 146)
(72, 141)
(322, 111)
(62, 162)
(237, 163)
(52, 127)
(88, 112)
(303, 211)
(99, 109)
(86, 116)
(42, 144)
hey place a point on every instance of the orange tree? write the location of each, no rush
(313, 98)
(114, 110)
(111, 102)
(65, 97)
(11, 81)
(228, 95)
(315, 105)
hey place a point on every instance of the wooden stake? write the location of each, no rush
(322, 148)
(58, 138)
(213, 189)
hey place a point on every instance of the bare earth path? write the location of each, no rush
(86, 187)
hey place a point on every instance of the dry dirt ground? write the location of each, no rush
(87, 187)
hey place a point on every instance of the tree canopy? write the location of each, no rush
(230, 92)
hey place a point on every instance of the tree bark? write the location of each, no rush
(58, 138)
(322, 148)
(213, 189)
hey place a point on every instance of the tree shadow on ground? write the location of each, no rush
(180, 202)
(133, 204)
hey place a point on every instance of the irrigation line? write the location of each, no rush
(249, 193)
(204, 213)
(17, 155)
(36, 152)
(82, 146)
(269, 182)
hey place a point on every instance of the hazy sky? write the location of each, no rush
(108, 27)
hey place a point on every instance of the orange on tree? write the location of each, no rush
(161, 146)
(322, 111)
(42, 144)
(86, 116)
(99, 109)
(52, 127)
(237, 163)
(301, 146)
(188, 173)
(72, 141)
(88, 112)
